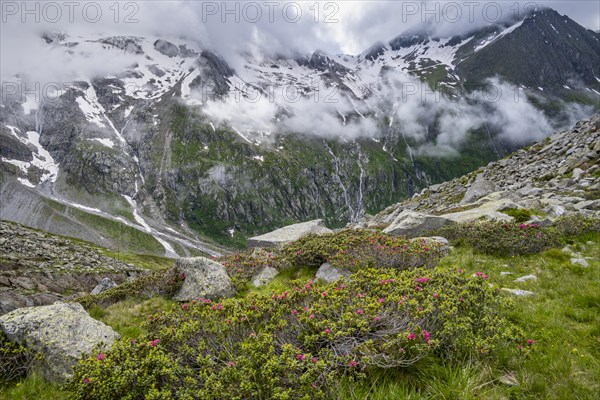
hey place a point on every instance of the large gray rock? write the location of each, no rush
(266, 275)
(104, 285)
(487, 210)
(288, 234)
(411, 223)
(61, 332)
(480, 188)
(329, 273)
(204, 278)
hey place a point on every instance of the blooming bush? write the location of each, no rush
(347, 249)
(295, 344)
(351, 248)
(241, 267)
(157, 283)
(510, 238)
(501, 238)
(576, 224)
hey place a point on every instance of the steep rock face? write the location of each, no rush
(167, 48)
(214, 81)
(547, 50)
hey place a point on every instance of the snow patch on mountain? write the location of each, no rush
(41, 157)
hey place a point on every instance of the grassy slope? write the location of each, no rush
(563, 318)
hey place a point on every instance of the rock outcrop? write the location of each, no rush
(61, 332)
(329, 273)
(266, 275)
(204, 278)
(104, 285)
(288, 234)
(480, 188)
(559, 175)
(410, 223)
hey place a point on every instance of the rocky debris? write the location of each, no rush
(580, 261)
(329, 274)
(526, 278)
(128, 44)
(557, 175)
(288, 234)
(204, 278)
(509, 379)
(104, 285)
(410, 223)
(60, 332)
(37, 268)
(486, 210)
(11, 300)
(166, 48)
(480, 188)
(568, 249)
(266, 275)
(518, 292)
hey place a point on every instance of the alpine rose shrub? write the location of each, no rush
(502, 238)
(348, 249)
(296, 344)
(510, 238)
(354, 248)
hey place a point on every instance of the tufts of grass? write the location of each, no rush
(34, 387)
(127, 316)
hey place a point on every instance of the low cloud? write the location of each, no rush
(439, 124)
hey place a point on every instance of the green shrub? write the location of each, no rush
(384, 251)
(351, 248)
(576, 224)
(501, 238)
(241, 267)
(519, 214)
(296, 344)
(510, 238)
(157, 283)
(346, 249)
(15, 360)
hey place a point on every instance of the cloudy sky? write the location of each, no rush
(276, 26)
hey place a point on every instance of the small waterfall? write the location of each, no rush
(336, 166)
(361, 161)
(492, 140)
(410, 150)
(39, 118)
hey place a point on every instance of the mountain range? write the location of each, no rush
(183, 153)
